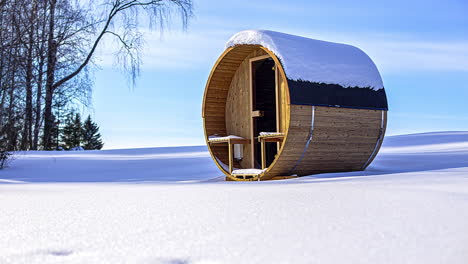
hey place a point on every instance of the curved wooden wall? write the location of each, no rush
(341, 139)
(215, 97)
(318, 139)
(215, 100)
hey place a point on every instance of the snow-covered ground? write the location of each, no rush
(170, 205)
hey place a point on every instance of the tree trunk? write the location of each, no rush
(50, 76)
(2, 69)
(11, 135)
(38, 118)
(26, 141)
(40, 74)
(10, 75)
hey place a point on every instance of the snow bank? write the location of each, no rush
(124, 165)
(79, 148)
(409, 206)
(315, 60)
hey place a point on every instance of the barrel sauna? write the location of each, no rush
(278, 106)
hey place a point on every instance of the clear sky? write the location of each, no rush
(420, 48)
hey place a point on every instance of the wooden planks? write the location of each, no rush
(343, 139)
(283, 99)
(264, 139)
(238, 107)
(214, 100)
(293, 144)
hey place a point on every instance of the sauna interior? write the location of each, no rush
(247, 100)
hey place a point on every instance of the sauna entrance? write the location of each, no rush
(264, 115)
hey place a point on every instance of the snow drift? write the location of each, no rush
(409, 206)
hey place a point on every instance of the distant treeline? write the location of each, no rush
(77, 134)
(46, 58)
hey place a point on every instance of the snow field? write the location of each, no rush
(169, 205)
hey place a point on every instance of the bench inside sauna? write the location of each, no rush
(261, 125)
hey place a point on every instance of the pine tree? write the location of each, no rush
(72, 131)
(55, 134)
(91, 135)
(67, 130)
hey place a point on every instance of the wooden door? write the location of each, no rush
(264, 106)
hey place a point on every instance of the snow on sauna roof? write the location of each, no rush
(315, 60)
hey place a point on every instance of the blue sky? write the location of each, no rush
(420, 48)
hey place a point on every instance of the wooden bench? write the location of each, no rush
(268, 137)
(230, 141)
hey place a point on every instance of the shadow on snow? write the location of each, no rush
(399, 154)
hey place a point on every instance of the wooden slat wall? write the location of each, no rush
(336, 146)
(238, 105)
(343, 139)
(293, 145)
(216, 93)
(283, 105)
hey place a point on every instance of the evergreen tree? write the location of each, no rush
(91, 135)
(72, 131)
(55, 134)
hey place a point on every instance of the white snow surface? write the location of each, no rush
(171, 206)
(218, 138)
(79, 148)
(315, 60)
(248, 171)
(271, 134)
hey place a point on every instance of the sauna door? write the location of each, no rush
(263, 107)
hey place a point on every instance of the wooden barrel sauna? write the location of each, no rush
(277, 106)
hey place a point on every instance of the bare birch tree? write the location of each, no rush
(46, 56)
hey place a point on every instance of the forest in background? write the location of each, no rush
(46, 59)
